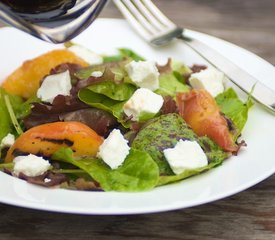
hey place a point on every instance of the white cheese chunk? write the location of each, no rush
(185, 155)
(46, 180)
(7, 141)
(97, 74)
(114, 149)
(211, 80)
(143, 101)
(53, 85)
(30, 165)
(144, 74)
(86, 54)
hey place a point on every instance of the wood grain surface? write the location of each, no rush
(247, 215)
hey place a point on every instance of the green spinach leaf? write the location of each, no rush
(138, 172)
(115, 91)
(6, 125)
(25, 108)
(170, 85)
(101, 101)
(180, 68)
(113, 58)
(188, 173)
(128, 53)
(234, 108)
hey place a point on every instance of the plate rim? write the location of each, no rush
(144, 209)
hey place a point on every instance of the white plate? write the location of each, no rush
(252, 165)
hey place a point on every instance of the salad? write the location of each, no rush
(74, 119)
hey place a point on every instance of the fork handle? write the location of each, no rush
(250, 85)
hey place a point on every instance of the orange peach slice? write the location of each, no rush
(48, 138)
(25, 80)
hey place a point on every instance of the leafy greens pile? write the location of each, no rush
(145, 167)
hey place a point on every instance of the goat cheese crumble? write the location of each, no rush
(30, 165)
(211, 80)
(53, 85)
(86, 54)
(143, 101)
(144, 74)
(114, 149)
(7, 141)
(185, 155)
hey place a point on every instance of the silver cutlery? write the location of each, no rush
(155, 28)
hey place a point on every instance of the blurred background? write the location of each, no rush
(248, 23)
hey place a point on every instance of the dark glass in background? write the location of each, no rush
(51, 20)
(35, 6)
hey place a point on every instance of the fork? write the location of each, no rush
(155, 28)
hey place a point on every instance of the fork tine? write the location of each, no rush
(148, 14)
(133, 21)
(153, 27)
(158, 14)
(139, 16)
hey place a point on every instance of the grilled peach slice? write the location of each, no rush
(48, 138)
(25, 80)
(199, 109)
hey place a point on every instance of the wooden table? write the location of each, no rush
(247, 215)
